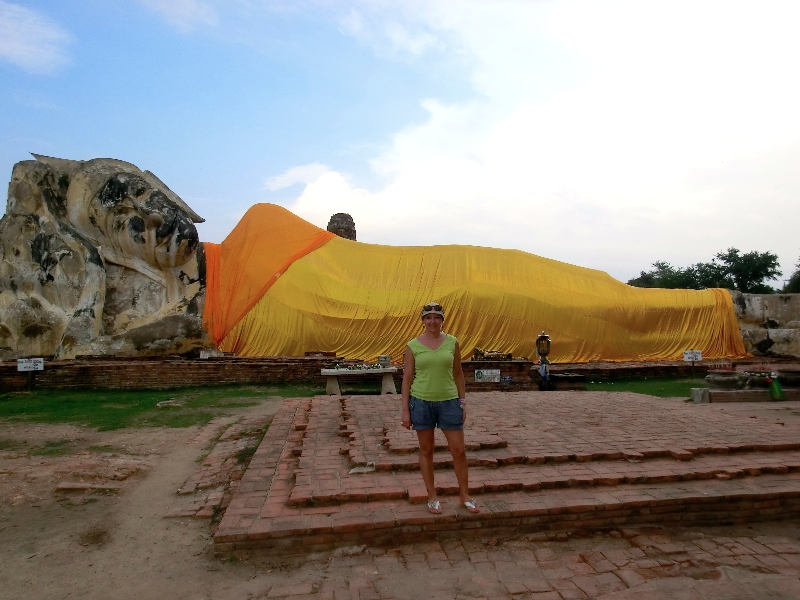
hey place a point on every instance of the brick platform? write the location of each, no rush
(340, 470)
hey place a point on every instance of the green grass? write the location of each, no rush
(245, 454)
(111, 409)
(11, 444)
(106, 449)
(52, 448)
(663, 387)
(107, 410)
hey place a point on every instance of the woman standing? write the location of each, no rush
(433, 395)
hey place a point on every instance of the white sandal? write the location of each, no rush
(471, 506)
(434, 507)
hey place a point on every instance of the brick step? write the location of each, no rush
(706, 502)
(490, 457)
(365, 487)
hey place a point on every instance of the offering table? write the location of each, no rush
(332, 377)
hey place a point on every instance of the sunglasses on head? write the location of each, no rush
(432, 307)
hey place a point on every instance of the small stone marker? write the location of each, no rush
(487, 375)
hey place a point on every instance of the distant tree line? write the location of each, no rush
(731, 269)
(793, 285)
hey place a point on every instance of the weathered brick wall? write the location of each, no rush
(611, 370)
(175, 372)
(167, 373)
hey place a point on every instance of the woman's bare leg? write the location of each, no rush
(426, 447)
(455, 441)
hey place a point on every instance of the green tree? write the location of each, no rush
(729, 269)
(750, 270)
(664, 275)
(793, 285)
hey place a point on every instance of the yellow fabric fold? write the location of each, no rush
(361, 300)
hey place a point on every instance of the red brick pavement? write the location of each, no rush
(222, 465)
(648, 563)
(335, 470)
(221, 470)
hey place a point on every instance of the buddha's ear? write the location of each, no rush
(62, 165)
(157, 184)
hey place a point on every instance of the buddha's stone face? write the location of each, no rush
(135, 219)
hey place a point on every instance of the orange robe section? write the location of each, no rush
(257, 252)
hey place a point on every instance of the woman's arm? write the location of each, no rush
(458, 372)
(458, 375)
(405, 389)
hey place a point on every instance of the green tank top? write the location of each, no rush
(433, 371)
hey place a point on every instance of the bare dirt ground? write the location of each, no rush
(113, 540)
(86, 514)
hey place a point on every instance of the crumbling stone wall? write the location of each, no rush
(770, 323)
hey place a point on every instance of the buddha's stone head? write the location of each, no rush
(93, 250)
(130, 212)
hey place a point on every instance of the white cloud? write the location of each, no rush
(405, 41)
(184, 14)
(30, 40)
(352, 23)
(302, 174)
(605, 134)
(388, 32)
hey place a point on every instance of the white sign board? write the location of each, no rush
(692, 355)
(30, 364)
(487, 375)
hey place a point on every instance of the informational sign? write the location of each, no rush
(30, 364)
(487, 375)
(692, 355)
(506, 378)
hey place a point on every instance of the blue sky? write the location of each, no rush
(605, 134)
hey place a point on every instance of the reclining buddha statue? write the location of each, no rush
(98, 257)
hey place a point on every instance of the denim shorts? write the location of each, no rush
(446, 414)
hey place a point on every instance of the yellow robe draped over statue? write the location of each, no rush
(279, 285)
